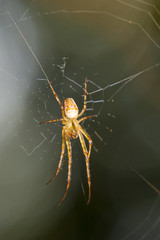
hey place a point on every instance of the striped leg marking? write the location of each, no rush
(87, 163)
(84, 118)
(85, 98)
(68, 143)
(61, 157)
(55, 120)
(89, 140)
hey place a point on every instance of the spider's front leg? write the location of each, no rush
(51, 121)
(85, 99)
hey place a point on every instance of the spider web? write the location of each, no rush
(116, 45)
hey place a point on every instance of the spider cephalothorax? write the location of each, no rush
(72, 129)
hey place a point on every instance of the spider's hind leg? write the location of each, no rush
(87, 156)
(68, 143)
(61, 157)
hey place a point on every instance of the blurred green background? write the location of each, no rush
(107, 41)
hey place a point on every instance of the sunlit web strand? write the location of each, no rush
(142, 224)
(32, 2)
(104, 13)
(9, 74)
(129, 79)
(141, 10)
(149, 230)
(124, 81)
(30, 153)
(35, 57)
(145, 180)
(72, 81)
(100, 89)
(149, 4)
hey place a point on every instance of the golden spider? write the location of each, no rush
(72, 129)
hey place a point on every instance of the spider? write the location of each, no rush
(72, 129)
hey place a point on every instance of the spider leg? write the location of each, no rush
(85, 98)
(55, 120)
(61, 157)
(87, 163)
(88, 138)
(68, 143)
(55, 95)
(84, 118)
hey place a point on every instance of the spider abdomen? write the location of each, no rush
(71, 131)
(73, 134)
(70, 108)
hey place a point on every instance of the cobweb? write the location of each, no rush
(116, 44)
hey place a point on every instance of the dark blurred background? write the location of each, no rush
(107, 41)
